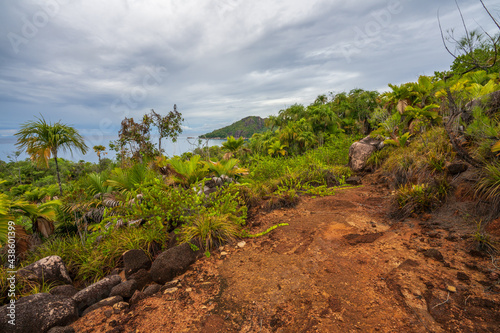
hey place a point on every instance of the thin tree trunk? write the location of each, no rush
(452, 136)
(58, 176)
(159, 145)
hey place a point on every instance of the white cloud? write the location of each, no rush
(91, 64)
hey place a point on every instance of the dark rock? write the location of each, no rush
(96, 292)
(433, 234)
(485, 303)
(452, 238)
(110, 301)
(137, 296)
(360, 151)
(172, 262)
(152, 289)
(125, 289)
(67, 290)
(478, 254)
(48, 269)
(39, 313)
(434, 254)
(354, 239)
(408, 264)
(142, 277)
(134, 260)
(60, 329)
(355, 180)
(462, 276)
(456, 168)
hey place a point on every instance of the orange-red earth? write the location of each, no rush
(341, 265)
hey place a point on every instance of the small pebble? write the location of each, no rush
(170, 290)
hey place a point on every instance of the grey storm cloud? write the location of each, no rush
(91, 63)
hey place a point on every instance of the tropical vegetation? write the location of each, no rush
(143, 199)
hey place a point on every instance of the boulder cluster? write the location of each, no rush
(53, 312)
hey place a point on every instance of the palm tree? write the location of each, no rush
(321, 100)
(99, 149)
(43, 140)
(276, 148)
(233, 145)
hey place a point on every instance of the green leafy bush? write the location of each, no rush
(416, 198)
(92, 260)
(488, 186)
(157, 205)
(218, 220)
(378, 158)
(420, 198)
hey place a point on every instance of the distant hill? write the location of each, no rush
(245, 128)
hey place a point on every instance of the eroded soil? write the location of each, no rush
(340, 266)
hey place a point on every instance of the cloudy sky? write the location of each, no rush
(91, 63)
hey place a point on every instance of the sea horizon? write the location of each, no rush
(182, 145)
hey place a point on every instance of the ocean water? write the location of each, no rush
(183, 144)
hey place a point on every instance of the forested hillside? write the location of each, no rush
(244, 128)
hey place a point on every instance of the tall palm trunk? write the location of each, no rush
(58, 175)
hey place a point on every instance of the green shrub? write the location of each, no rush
(282, 199)
(418, 197)
(94, 259)
(421, 197)
(482, 241)
(378, 158)
(421, 161)
(160, 205)
(23, 287)
(218, 220)
(211, 230)
(488, 186)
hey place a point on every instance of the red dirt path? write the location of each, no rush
(340, 266)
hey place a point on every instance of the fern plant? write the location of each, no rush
(188, 172)
(399, 141)
(226, 167)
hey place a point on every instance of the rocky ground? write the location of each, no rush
(340, 266)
